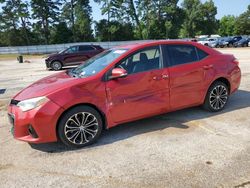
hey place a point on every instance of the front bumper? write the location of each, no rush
(37, 125)
(47, 62)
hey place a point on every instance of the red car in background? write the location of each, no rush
(123, 84)
(71, 56)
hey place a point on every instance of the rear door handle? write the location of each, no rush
(165, 76)
(206, 67)
(155, 78)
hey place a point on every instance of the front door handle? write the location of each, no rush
(164, 76)
(206, 67)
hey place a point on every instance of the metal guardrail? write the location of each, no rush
(46, 49)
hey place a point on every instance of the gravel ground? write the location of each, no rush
(188, 148)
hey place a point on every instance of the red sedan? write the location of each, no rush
(123, 84)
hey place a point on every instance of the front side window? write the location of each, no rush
(97, 63)
(70, 50)
(182, 54)
(144, 60)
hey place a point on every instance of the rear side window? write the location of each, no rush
(182, 54)
(201, 54)
(98, 47)
(85, 48)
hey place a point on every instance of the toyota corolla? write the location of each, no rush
(120, 85)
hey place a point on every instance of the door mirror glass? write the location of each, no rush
(118, 73)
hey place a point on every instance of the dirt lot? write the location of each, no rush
(188, 148)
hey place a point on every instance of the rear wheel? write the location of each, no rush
(80, 126)
(56, 65)
(217, 97)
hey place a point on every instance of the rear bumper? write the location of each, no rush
(235, 79)
(37, 125)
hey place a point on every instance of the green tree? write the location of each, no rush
(227, 26)
(9, 24)
(46, 12)
(242, 24)
(118, 31)
(152, 19)
(192, 16)
(78, 15)
(199, 18)
(61, 34)
(160, 18)
(208, 24)
(123, 11)
(83, 31)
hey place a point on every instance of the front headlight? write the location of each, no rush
(30, 104)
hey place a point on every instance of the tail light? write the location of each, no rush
(236, 61)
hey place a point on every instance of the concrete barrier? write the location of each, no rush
(46, 49)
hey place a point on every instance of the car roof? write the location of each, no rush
(151, 43)
(139, 45)
(83, 45)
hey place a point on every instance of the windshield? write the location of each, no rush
(243, 40)
(60, 52)
(202, 39)
(98, 63)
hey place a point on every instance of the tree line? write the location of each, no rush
(35, 22)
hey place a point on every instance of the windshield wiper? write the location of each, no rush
(73, 73)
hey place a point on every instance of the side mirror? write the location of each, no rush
(118, 73)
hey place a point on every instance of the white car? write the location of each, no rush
(207, 41)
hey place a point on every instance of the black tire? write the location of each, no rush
(56, 65)
(76, 133)
(215, 102)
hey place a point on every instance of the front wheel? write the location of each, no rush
(217, 97)
(80, 126)
(56, 65)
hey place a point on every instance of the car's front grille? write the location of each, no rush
(14, 102)
(11, 119)
(12, 122)
(47, 64)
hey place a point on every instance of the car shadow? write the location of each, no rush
(178, 119)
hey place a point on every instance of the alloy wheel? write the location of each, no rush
(56, 65)
(81, 128)
(218, 97)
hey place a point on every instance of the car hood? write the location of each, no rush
(46, 86)
(239, 42)
(52, 55)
